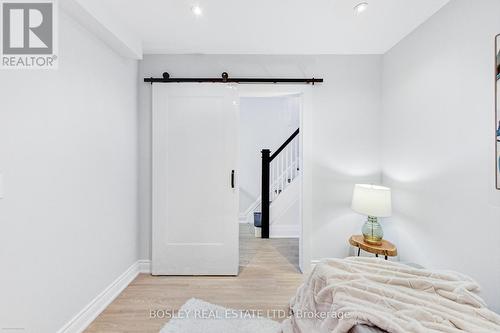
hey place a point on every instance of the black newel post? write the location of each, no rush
(266, 159)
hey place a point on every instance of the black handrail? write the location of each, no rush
(283, 146)
(265, 186)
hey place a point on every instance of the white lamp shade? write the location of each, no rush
(372, 200)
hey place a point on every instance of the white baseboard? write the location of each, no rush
(92, 310)
(284, 231)
(247, 215)
(145, 266)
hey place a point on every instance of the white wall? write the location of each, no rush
(265, 123)
(285, 213)
(438, 143)
(68, 152)
(345, 127)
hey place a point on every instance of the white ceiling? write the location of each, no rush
(270, 26)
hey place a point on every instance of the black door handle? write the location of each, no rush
(232, 178)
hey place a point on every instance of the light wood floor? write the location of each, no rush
(269, 277)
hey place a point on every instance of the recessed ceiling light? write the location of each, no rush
(361, 7)
(197, 10)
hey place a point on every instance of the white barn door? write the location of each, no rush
(195, 195)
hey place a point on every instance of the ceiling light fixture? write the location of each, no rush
(361, 7)
(197, 11)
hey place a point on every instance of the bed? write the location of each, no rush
(371, 295)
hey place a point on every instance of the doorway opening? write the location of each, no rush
(270, 123)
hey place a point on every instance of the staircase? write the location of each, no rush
(279, 171)
(284, 167)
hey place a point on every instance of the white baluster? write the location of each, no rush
(271, 182)
(278, 164)
(280, 171)
(289, 169)
(296, 153)
(273, 167)
(292, 148)
(276, 177)
(286, 165)
(295, 149)
(296, 145)
(283, 184)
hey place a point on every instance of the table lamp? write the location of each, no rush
(373, 201)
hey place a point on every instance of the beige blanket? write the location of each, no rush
(341, 293)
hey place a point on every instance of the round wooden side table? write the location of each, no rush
(386, 249)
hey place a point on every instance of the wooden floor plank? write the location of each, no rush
(269, 276)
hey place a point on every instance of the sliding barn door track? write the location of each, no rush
(226, 79)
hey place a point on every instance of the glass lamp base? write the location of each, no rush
(372, 231)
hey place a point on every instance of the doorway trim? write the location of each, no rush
(306, 107)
